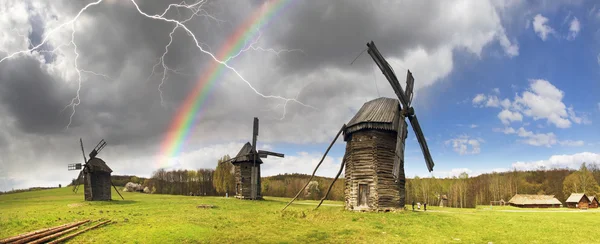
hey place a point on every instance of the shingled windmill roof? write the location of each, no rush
(245, 155)
(98, 165)
(382, 114)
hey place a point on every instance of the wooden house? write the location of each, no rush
(243, 164)
(593, 202)
(534, 201)
(96, 180)
(370, 150)
(578, 200)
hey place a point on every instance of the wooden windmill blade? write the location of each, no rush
(410, 83)
(422, 142)
(82, 151)
(388, 72)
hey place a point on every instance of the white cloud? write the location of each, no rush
(450, 174)
(507, 116)
(598, 58)
(302, 162)
(574, 29)
(507, 130)
(505, 103)
(496, 90)
(479, 98)
(541, 28)
(598, 106)
(493, 102)
(541, 139)
(462, 144)
(572, 161)
(473, 126)
(571, 143)
(543, 101)
(578, 120)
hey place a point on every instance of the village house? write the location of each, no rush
(578, 200)
(593, 202)
(534, 201)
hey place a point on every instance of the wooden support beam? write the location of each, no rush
(319, 164)
(116, 190)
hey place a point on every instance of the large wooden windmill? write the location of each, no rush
(367, 136)
(95, 174)
(374, 158)
(247, 168)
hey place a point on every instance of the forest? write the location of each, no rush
(462, 191)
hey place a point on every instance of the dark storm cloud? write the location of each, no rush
(32, 96)
(335, 32)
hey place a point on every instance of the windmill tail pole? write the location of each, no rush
(331, 186)
(319, 164)
(116, 190)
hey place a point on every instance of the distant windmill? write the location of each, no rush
(96, 175)
(247, 168)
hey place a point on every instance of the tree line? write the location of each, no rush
(461, 191)
(464, 191)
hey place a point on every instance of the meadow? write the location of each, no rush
(146, 218)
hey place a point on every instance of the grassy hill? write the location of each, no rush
(143, 218)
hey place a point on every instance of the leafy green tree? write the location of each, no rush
(224, 181)
(581, 181)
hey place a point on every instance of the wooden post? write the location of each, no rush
(254, 175)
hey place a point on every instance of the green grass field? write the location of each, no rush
(143, 218)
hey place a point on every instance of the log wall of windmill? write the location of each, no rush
(369, 160)
(100, 186)
(243, 175)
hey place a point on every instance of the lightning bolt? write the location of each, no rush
(197, 10)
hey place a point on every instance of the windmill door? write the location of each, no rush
(363, 195)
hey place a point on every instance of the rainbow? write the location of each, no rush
(190, 109)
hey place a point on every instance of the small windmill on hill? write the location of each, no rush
(96, 175)
(247, 168)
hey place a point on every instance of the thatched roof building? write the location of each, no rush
(243, 168)
(578, 200)
(370, 151)
(96, 180)
(534, 201)
(593, 202)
